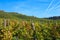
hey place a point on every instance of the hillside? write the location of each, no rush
(14, 15)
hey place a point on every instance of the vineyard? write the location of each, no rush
(11, 29)
(14, 26)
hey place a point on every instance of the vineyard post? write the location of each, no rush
(5, 22)
(34, 33)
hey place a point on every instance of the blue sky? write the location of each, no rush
(38, 8)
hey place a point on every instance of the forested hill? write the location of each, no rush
(14, 15)
(54, 18)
